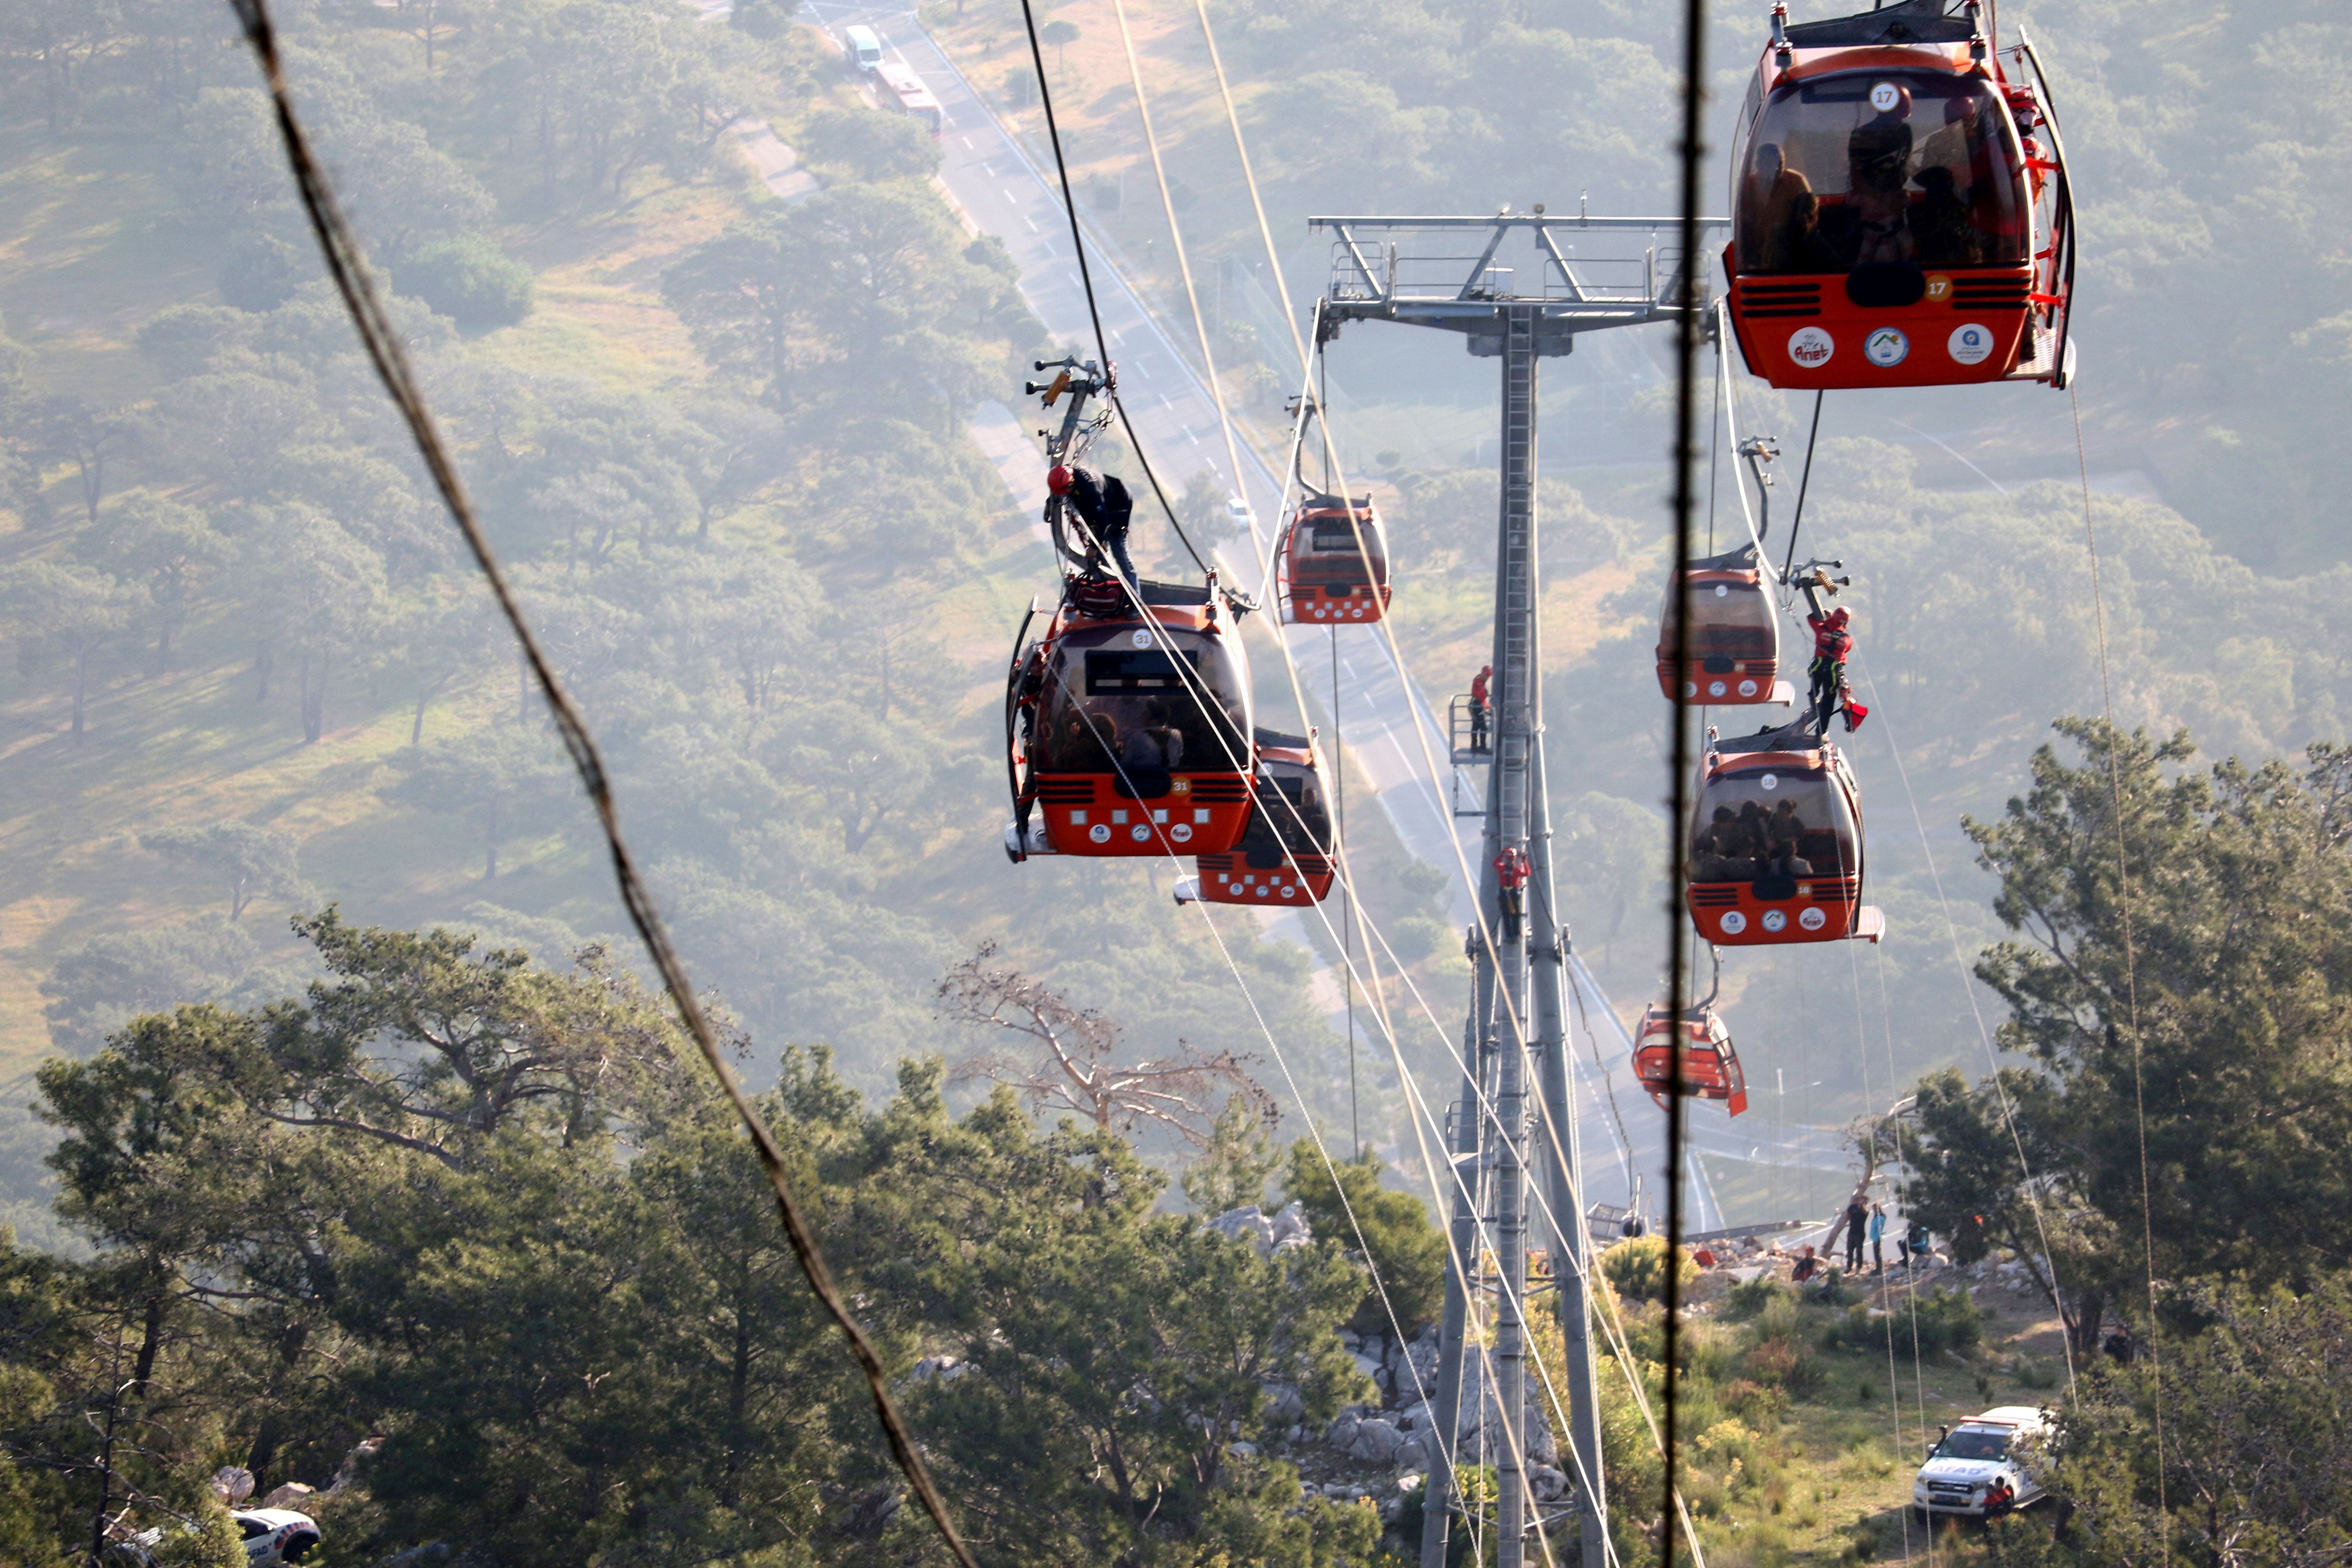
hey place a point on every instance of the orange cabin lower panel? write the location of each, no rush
(1749, 680)
(1705, 1076)
(1314, 604)
(1083, 815)
(1729, 914)
(1803, 332)
(1230, 880)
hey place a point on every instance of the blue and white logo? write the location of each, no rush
(1971, 342)
(1885, 348)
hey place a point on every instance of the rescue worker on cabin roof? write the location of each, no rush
(1103, 505)
(1510, 883)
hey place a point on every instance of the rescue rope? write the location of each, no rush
(1249, 177)
(1086, 282)
(1624, 1358)
(1878, 1256)
(1183, 263)
(2131, 975)
(345, 263)
(1960, 963)
(1911, 1275)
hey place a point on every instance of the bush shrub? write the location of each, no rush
(1637, 1267)
(1783, 1360)
(1947, 1320)
(1409, 1251)
(1745, 1302)
(469, 279)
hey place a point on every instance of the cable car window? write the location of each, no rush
(1297, 821)
(1117, 670)
(1139, 713)
(1728, 620)
(1341, 535)
(1771, 822)
(1884, 167)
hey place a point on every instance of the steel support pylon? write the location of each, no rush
(1420, 271)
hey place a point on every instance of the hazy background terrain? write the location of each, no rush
(724, 439)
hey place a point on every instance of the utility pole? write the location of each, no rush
(1464, 275)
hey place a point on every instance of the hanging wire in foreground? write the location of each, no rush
(1086, 281)
(345, 264)
(1686, 331)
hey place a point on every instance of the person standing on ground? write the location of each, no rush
(1878, 1238)
(1856, 1217)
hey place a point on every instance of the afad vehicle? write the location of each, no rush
(1992, 1454)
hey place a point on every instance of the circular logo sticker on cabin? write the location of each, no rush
(1181, 833)
(1885, 97)
(1885, 348)
(1733, 922)
(1099, 833)
(1775, 919)
(1810, 347)
(1288, 891)
(1747, 688)
(1971, 342)
(1812, 920)
(1142, 639)
(1722, 590)
(1139, 833)
(1715, 688)
(1939, 288)
(1770, 781)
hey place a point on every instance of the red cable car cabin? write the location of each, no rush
(1711, 1068)
(1331, 570)
(1285, 855)
(1114, 748)
(1735, 634)
(1902, 213)
(1776, 844)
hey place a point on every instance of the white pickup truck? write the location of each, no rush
(1983, 1453)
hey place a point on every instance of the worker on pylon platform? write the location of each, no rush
(1103, 504)
(1481, 712)
(1511, 882)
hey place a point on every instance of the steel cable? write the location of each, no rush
(345, 263)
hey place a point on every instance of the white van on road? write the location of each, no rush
(865, 50)
(1996, 1447)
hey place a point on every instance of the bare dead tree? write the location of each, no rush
(1071, 1061)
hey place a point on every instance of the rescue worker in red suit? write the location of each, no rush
(1102, 504)
(1510, 883)
(1481, 710)
(1831, 643)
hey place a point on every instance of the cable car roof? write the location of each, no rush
(1740, 560)
(1794, 737)
(1908, 22)
(1317, 501)
(1276, 741)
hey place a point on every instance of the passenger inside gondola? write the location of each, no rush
(1878, 175)
(1134, 711)
(1797, 833)
(1837, 178)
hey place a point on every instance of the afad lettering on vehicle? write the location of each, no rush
(1811, 347)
